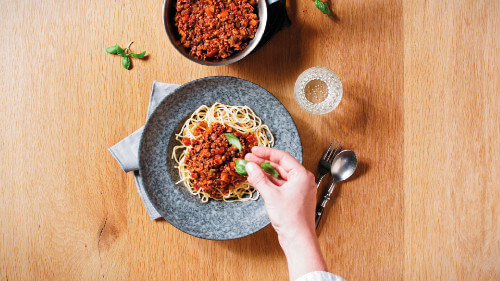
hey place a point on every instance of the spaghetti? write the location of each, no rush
(205, 157)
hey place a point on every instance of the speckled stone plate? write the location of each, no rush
(213, 220)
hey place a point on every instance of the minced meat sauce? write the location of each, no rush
(215, 28)
(211, 159)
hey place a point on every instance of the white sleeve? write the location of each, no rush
(320, 276)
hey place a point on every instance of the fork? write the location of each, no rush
(326, 160)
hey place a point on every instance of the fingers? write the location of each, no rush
(258, 179)
(252, 158)
(282, 158)
(281, 171)
(277, 181)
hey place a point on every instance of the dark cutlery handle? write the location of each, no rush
(321, 208)
(319, 213)
(319, 180)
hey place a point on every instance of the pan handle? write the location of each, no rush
(277, 15)
(277, 19)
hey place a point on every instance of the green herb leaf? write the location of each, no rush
(126, 56)
(323, 7)
(269, 169)
(233, 140)
(114, 49)
(126, 62)
(240, 167)
(139, 56)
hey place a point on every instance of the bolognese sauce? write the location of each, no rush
(211, 158)
(215, 28)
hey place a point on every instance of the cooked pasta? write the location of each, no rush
(206, 158)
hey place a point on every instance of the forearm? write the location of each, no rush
(303, 254)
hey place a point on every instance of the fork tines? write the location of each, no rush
(332, 150)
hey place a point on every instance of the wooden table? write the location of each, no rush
(420, 108)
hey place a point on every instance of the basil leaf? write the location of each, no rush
(139, 56)
(323, 7)
(114, 49)
(241, 162)
(241, 170)
(126, 62)
(124, 54)
(111, 50)
(329, 13)
(269, 169)
(233, 140)
(240, 167)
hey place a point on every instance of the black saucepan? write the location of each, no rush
(267, 27)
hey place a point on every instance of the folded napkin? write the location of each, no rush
(126, 152)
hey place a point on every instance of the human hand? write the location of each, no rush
(291, 199)
(290, 203)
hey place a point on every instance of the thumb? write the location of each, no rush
(258, 179)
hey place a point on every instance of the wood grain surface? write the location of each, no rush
(420, 108)
(451, 140)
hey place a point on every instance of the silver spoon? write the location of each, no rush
(343, 166)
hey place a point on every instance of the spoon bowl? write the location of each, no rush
(344, 165)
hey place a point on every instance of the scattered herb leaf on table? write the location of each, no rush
(125, 54)
(322, 5)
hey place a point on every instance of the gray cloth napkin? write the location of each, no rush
(126, 152)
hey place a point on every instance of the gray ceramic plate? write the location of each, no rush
(213, 220)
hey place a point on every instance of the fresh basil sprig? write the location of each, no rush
(322, 5)
(241, 169)
(125, 54)
(233, 140)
